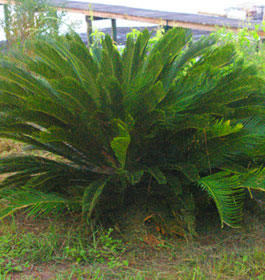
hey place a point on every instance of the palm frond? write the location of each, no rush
(254, 179)
(35, 202)
(91, 196)
(228, 196)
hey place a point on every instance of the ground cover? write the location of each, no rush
(41, 249)
(62, 248)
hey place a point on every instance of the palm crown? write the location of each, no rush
(183, 115)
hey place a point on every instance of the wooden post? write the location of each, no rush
(262, 38)
(114, 30)
(89, 31)
(167, 27)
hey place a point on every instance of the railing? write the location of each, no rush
(94, 11)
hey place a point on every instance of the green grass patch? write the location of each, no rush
(40, 249)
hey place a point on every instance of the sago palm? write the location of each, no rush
(186, 114)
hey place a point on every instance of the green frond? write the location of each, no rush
(146, 101)
(91, 196)
(120, 143)
(195, 50)
(133, 58)
(51, 57)
(34, 169)
(175, 184)
(254, 179)
(35, 202)
(157, 174)
(222, 128)
(73, 95)
(228, 196)
(189, 170)
(174, 40)
(134, 177)
(23, 162)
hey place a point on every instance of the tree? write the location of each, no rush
(30, 18)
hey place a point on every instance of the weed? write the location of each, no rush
(101, 249)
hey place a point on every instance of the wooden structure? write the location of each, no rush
(94, 11)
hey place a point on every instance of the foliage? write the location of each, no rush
(30, 18)
(248, 43)
(155, 36)
(19, 249)
(160, 122)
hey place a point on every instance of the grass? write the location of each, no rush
(62, 248)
